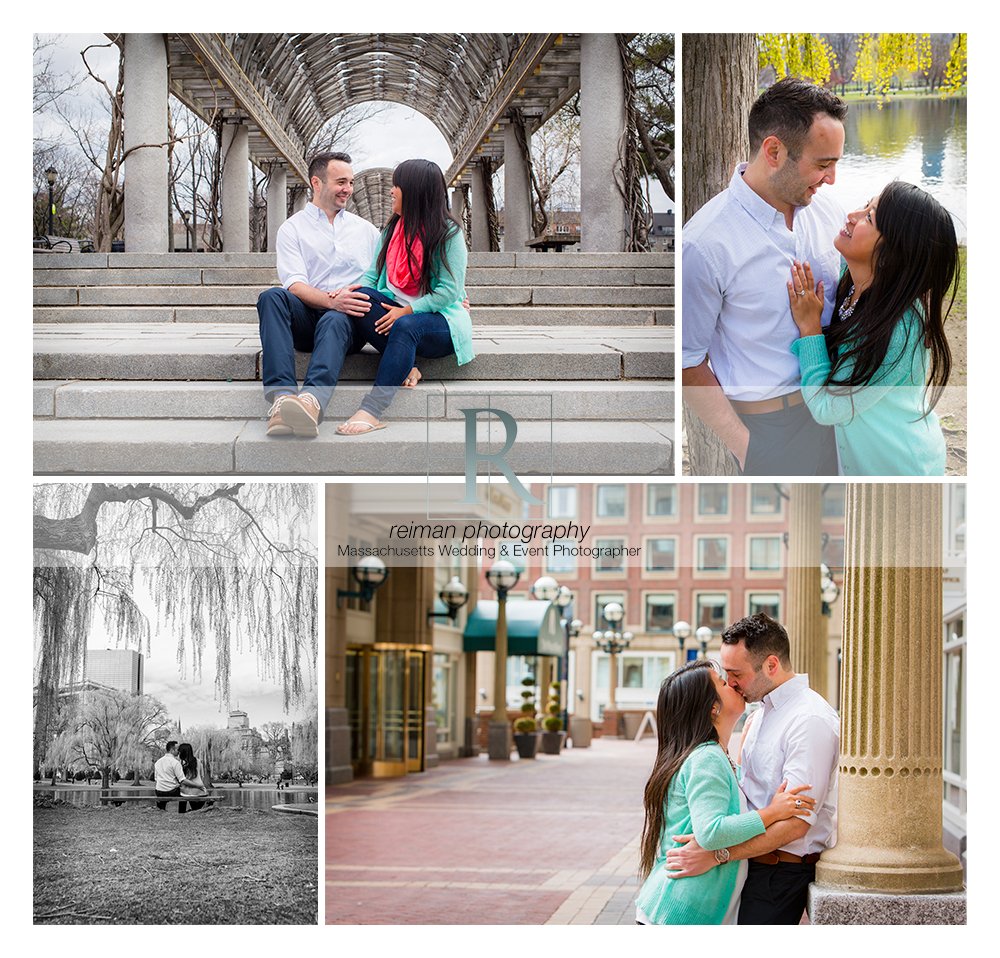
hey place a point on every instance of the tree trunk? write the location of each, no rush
(719, 86)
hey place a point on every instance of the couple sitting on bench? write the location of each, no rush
(176, 775)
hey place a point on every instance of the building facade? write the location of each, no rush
(115, 668)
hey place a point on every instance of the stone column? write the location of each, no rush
(458, 205)
(147, 220)
(235, 188)
(300, 199)
(804, 617)
(500, 729)
(602, 123)
(277, 205)
(338, 732)
(516, 193)
(480, 218)
(889, 865)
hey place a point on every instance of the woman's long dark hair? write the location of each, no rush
(915, 263)
(188, 762)
(425, 214)
(683, 722)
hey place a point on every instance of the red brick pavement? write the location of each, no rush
(475, 841)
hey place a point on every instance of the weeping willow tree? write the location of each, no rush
(219, 568)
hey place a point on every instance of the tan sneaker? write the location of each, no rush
(302, 413)
(276, 425)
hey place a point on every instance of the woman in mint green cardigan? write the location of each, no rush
(416, 288)
(693, 790)
(883, 362)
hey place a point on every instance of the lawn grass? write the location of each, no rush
(138, 865)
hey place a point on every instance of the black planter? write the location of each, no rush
(553, 742)
(527, 744)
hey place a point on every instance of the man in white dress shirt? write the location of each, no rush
(740, 376)
(794, 738)
(322, 251)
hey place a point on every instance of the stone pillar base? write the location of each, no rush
(338, 748)
(500, 741)
(834, 906)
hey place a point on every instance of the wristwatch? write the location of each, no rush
(722, 855)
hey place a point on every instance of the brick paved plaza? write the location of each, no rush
(552, 840)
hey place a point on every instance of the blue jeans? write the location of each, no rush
(287, 324)
(423, 334)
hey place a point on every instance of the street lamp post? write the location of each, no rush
(681, 631)
(613, 643)
(572, 626)
(50, 175)
(186, 216)
(454, 595)
(502, 577)
(369, 573)
(704, 635)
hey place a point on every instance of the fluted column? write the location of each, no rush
(300, 199)
(277, 205)
(235, 188)
(804, 618)
(890, 783)
(147, 216)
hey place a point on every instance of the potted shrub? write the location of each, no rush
(526, 728)
(553, 738)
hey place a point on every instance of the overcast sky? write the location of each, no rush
(395, 134)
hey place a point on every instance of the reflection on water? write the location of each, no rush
(921, 141)
(260, 798)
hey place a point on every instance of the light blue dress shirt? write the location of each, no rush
(737, 258)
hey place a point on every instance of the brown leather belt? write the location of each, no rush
(758, 406)
(772, 858)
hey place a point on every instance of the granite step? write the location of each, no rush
(200, 447)
(213, 352)
(432, 399)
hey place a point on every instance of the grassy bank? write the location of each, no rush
(138, 865)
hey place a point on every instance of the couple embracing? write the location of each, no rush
(814, 341)
(176, 775)
(344, 284)
(735, 839)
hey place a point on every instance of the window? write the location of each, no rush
(444, 697)
(833, 553)
(661, 555)
(601, 599)
(610, 502)
(767, 602)
(609, 563)
(765, 500)
(713, 499)
(661, 499)
(955, 689)
(765, 554)
(660, 612)
(640, 675)
(561, 502)
(711, 609)
(713, 553)
(833, 501)
(560, 564)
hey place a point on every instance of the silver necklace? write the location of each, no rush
(847, 307)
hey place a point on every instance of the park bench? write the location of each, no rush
(62, 244)
(108, 799)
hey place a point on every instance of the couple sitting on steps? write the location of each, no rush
(343, 285)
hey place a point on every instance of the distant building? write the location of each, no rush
(120, 669)
(661, 236)
(250, 740)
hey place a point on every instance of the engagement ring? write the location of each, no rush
(798, 803)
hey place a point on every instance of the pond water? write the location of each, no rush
(920, 141)
(260, 798)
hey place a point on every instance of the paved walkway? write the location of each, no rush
(549, 841)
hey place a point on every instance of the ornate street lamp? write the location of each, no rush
(369, 573)
(502, 577)
(454, 595)
(186, 216)
(704, 635)
(50, 174)
(681, 631)
(828, 589)
(613, 643)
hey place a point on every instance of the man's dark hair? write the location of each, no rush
(762, 636)
(319, 163)
(170, 745)
(786, 109)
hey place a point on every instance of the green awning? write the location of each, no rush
(533, 628)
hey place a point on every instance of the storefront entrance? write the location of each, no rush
(385, 705)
